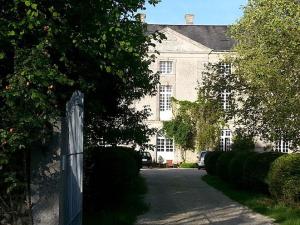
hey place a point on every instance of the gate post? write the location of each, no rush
(72, 161)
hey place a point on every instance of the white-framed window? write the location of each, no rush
(225, 68)
(164, 144)
(282, 146)
(166, 67)
(225, 100)
(225, 140)
(165, 94)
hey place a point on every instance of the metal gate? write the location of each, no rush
(72, 162)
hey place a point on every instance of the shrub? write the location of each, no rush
(256, 170)
(110, 173)
(188, 165)
(284, 178)
(242, 143)
(222, 165)
(211, 160)
(236, 167)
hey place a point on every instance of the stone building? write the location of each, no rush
(182, 59)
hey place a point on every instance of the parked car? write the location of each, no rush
(201, 157)
(146, 158)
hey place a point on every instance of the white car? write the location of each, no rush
(201, 157)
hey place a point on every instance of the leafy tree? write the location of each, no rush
(267, 67)
(196, 125)
(242, 143)
(182, 127)
(48, 49)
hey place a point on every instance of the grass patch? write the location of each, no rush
(126, 213)
(188, 165)
(263, 204)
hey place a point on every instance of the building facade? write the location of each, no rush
(181, 62)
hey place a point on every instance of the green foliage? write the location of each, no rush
(182, 127)
(223, 163)
(269, 172)
(196, 124)
(236, 167)
(284, 179)
(48, 49)
(216, 80)
(132, 206)
(256, 169)
(106, 170)
(209, 121)
(188, 165)
(263, 204)
(267, 69)
(210, 161)
(242, 143)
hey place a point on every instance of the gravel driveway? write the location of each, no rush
(179, 196)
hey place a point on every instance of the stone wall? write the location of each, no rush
(45, 182)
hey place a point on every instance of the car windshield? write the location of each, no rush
(145, 154)
(202, 154)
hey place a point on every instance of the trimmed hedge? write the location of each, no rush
(243, 143)
(188, 165)
(110, 173)
(284, 178)
(222, 165)
(210, 161)
(272, 173)
(236, 167)
(256, 170)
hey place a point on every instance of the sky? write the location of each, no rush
(207, 12)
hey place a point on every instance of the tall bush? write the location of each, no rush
(256, 169)
(222, 164)
(211, 160)
(236, 167)
(242, 143)
(110, 173)
(284, 178)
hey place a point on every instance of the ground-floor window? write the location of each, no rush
(225, 140)
(164, 144)
(282, 146)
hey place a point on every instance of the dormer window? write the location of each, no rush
(166, 67)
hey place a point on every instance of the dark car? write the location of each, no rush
(146, 158)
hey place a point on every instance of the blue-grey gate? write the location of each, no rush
(72, 162)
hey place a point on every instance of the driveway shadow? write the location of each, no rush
(179, 196)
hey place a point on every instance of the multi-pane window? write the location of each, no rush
(164, 144)
(165, 94)
(225, 100)
(166, 67)
(160, 144)
(225, 68)
(225, 141)
(169, 145)
(282, 146)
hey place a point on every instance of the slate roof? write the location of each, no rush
(211, 36)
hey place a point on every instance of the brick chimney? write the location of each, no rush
(189, 19)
